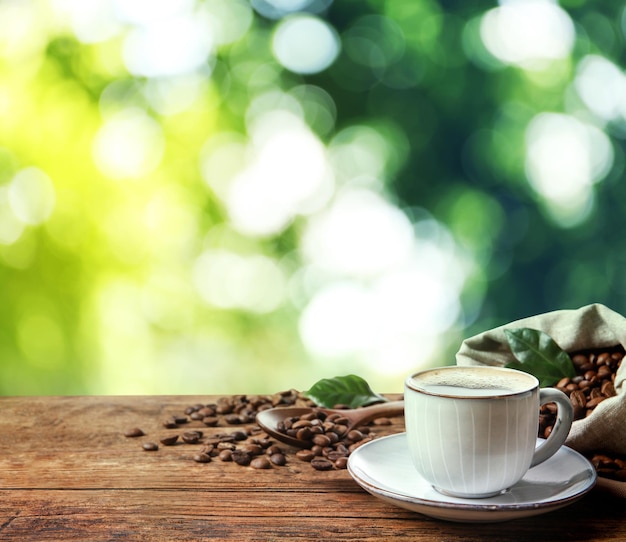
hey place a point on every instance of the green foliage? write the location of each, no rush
(538, 354)
(350, 390)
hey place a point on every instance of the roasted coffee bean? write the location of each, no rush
(340, 429)
(317, 450)
(261, 462)
(579, 403)
(607, 466)
(202, 458)
(170, 423)
(305, 455)
(321, 440)
(239, 435)
(240, 457)
(224, 406)
(321, 464)
(150, 446)
(169, 441)
(278, 459)
(333, 455)
(595, 401)
(134, 432)
(341, 463)
(226, 455)
(608, 389)
(299, 424)
(192, 437)
(304, 433)
(355, 435)
(252, 449)
(273, 449)
(210, 421)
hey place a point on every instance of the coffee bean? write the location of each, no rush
(252, 449)
(240, 457)
(261, 462)
(321, 440)
(134, 432)
(273, 449)
(305, 455)
(333, 455)
(226, 455)
(595, 401)
(355, 435)
(150, 446)
(608, 389)
(192, 437)
(239, 435)
(299, 424)
(304, 433)
(202, 458)
(206, 411)
(210, 421)
(169, 441)
(278, 459)
(321, 464)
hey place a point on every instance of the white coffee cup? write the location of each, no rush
(472, 431)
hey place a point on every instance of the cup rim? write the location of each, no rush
(532, 381)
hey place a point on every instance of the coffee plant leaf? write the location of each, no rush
(350, 390)
(538, 354)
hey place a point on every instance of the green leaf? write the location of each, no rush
(348, 390)
(538, 354)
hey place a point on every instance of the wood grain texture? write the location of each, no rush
(68, 473)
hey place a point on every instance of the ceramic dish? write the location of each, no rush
(383, 467)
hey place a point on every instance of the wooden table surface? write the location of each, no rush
(67, 472)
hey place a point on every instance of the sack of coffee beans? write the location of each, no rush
(594, 331)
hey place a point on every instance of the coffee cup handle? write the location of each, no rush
(560, 431)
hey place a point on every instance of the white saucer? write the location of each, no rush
(384, 468)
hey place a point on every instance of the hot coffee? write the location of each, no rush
(472, 430)
(458, 382)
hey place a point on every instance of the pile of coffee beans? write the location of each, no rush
(327, 439)
(593, 383)
(329, 448)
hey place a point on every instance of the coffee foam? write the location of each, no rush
(478, 378)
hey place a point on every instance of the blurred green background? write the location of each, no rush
(233, 196)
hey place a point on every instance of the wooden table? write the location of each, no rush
(67, 472)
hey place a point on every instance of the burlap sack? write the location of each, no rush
(590, 327)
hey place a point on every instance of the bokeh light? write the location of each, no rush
(130, 144)
(528, 32)
(292, 44)
(565, 158)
